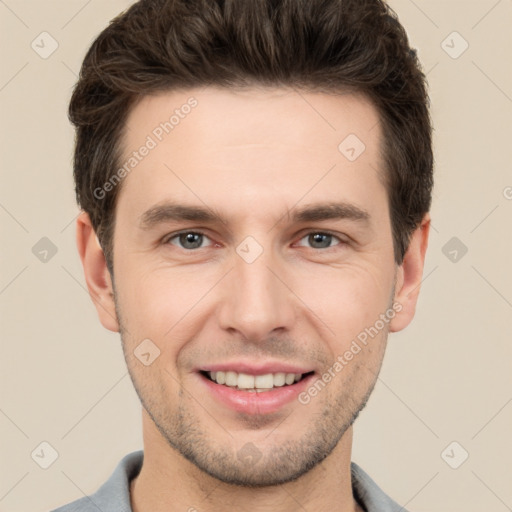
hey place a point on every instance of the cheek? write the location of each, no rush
(160, 304)
(348, 298)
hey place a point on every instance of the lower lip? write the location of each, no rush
(264, 402)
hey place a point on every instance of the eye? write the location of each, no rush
(321, 240)
(193, 240)
(188, 240)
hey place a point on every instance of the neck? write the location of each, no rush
(168, 482)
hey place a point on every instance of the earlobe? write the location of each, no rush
(97, 276)
(409, 276)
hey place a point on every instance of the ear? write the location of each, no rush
(409, 275)
(97, 276)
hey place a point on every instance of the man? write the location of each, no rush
(255, 178)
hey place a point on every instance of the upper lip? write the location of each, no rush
(256, 368)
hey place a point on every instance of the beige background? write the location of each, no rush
(446, 378)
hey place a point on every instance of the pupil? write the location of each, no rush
(317, 238)
(190, 238)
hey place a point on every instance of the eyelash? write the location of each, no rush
(168, 239)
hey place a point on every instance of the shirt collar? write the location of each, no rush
(114, 494)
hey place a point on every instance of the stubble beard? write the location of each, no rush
(275, 464)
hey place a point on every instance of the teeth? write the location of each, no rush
(263, 381)
(255, 383)
(245, 381)
(290, 378)
(279, 379)
(231, 378)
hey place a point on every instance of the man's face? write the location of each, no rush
(263, 291)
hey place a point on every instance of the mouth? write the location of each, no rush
(254, 383)
(255, 390)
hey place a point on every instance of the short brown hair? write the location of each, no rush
(327, 45)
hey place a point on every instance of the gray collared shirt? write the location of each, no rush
(114, 494)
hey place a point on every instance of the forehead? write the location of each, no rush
(253, 115)
(206, 145)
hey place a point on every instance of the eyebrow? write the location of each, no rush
(169, 211)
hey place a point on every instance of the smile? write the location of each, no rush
(254, 390)
(254, 383)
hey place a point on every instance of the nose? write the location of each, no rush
(257, 299)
